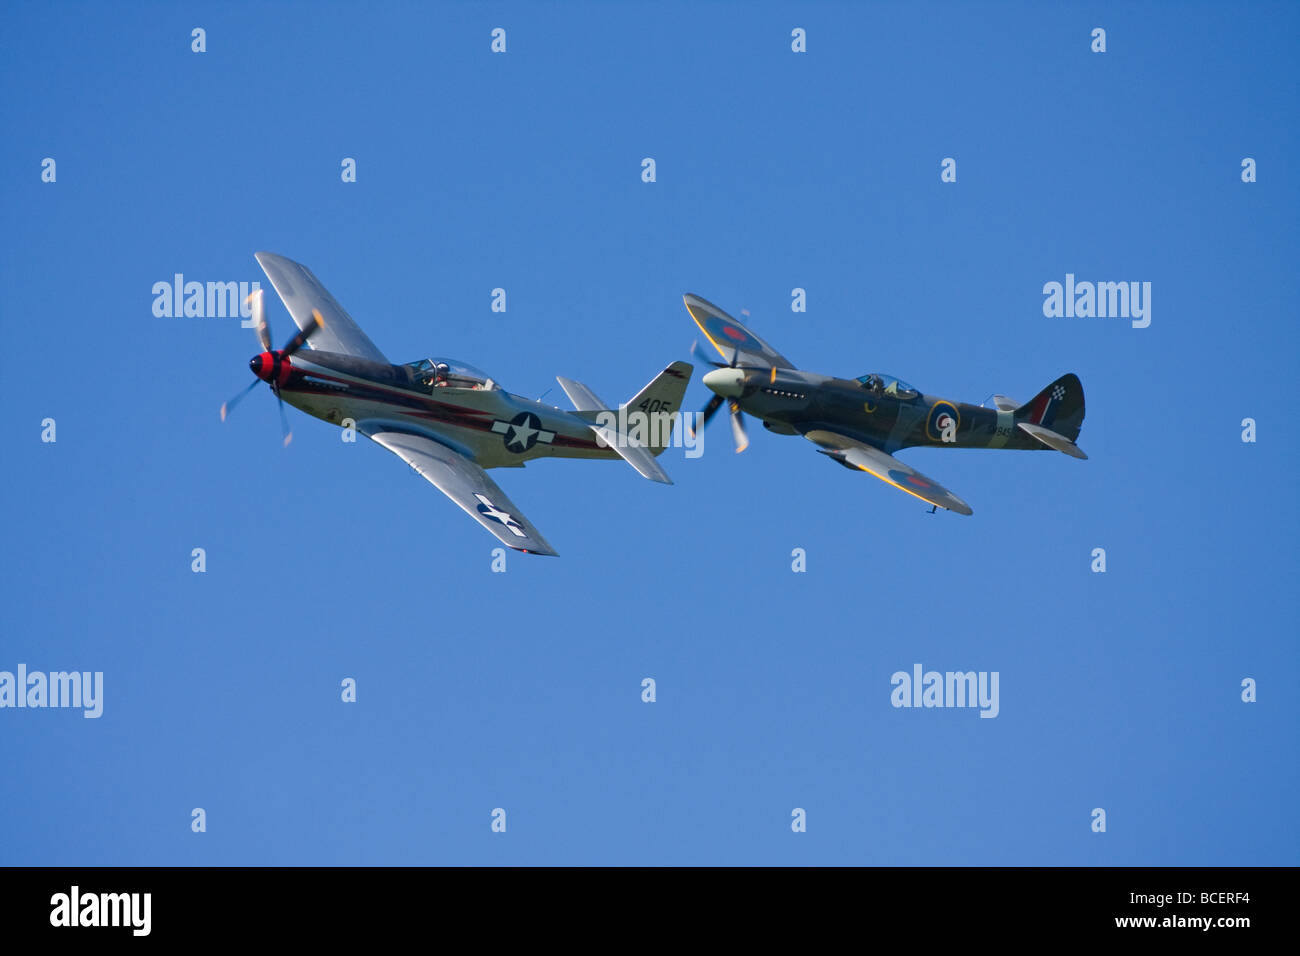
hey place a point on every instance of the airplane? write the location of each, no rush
(862, 422)
(447, 420)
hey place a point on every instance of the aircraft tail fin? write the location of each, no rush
(641, 428)
(660, 402)
(1057, 408)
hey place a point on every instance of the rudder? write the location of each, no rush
(663, 396)
(1059, 407)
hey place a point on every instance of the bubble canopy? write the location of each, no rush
(881, 383)
(449, 373)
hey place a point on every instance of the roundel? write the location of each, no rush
(936, 420)
(724, 333)
(905, 480)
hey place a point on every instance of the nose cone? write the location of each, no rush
(261, 366)
(727, 382)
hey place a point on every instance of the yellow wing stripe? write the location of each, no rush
(888, 481)
(700, 326)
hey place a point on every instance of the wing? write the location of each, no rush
(466, 484)
(300, 291)
(730, 338)
(887, 468)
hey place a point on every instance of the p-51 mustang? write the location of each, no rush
(861, 422)
(446, 420)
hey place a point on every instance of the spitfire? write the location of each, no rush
(860, 423)
(447, 420)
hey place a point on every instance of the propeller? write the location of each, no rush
(743, 382)
(738, 429)
(269, 365)
(714, 404)
(259, 319)
(227, 407)
(700, 357)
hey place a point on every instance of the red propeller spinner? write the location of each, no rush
(271, 366)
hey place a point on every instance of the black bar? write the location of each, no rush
(334, 905)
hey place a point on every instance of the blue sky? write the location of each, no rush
(521, 690)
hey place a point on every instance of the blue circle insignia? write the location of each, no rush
(523, 432)
(934, 422)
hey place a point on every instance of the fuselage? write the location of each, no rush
(795, 402)
(490, 425)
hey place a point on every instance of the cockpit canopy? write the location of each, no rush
(878, 383)
(448, 373)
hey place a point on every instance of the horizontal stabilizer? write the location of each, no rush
(1052, 440)
(583, 398)
(1004, 404)
(635, 454)
(638, 456)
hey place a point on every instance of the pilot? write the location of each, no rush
(440, 375)
(874, 383)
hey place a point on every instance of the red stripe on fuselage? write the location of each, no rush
(474, 419)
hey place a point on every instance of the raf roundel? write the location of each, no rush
(724, 333)
(934, 422)
(905, 480)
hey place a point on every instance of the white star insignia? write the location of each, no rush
(489, 510)
(521, 434)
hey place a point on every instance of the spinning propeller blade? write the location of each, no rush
(272, 374)
(284, 420)
(714, 404)
(738, 428)
(299, 340)
(699, 356)
(259, 319)
(227, 406)
(732, 386)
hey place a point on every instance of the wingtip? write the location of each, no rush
(693, 302)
